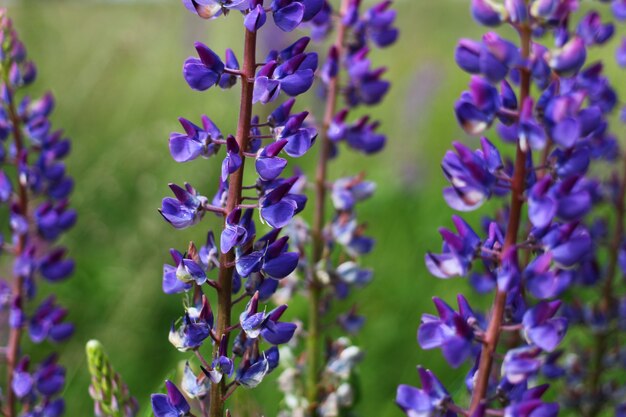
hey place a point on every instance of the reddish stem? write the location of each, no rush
(15, 334)
(227, 260)
(494, 329)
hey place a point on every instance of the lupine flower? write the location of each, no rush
(570, 58)
(542, 328)
(272, 261)
(195, 141)
(232, 162)
(293, 77)
(279, 206)
(171, 404)
(205, 72)
(472, 175)
(430, 399)
(186, 209)
(451, 331)
(593, 31)
(458, 251)
(476, 109)
(195, 326)
(252, 373)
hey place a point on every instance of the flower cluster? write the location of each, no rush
(330, 249)
(34, 189)
(545, 243)
(238, 265)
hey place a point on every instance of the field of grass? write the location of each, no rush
(116, 72)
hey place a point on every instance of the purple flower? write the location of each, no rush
(278, 206)
(54, 267)
(293, 77)
(277, 332)
(232, 162)
(532, 408)
(195, 141)
(171, 404)
(457, 253)
(186, 209)
(256, 18)
(268, 164)
(568, 60)
(593, 31)
(300, 137)
(222, 365)
(542, 328)
(171, 283)
(521, 363)
(202, 74)
(346, 192)
(472, 175)
(451, 331)
(366, 84)
(272, 260)
(477, 108)
(195, 327)
(48, 322)
(237, 231)
(228, 80)
(619, 9)
(287, 14)
(620, 53)
(251, 373)
(431, 399)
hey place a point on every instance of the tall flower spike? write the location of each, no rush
(544, 242)
(347, 75)
(247, 267)
(35, 200)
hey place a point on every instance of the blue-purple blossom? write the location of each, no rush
(171, 404)
(195, 141)
(186, 209)
(204, 72)
(432, 398)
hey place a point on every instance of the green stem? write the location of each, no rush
(319, 219)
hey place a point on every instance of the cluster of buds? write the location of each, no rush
(109, 392)
(34, 189)
(547, 243)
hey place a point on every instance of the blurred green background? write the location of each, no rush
(115, 68)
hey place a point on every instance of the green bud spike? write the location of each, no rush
(110, 394)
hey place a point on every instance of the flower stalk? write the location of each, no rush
(227, 260)
(319, 221)
(15, 333)
(492, 336)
